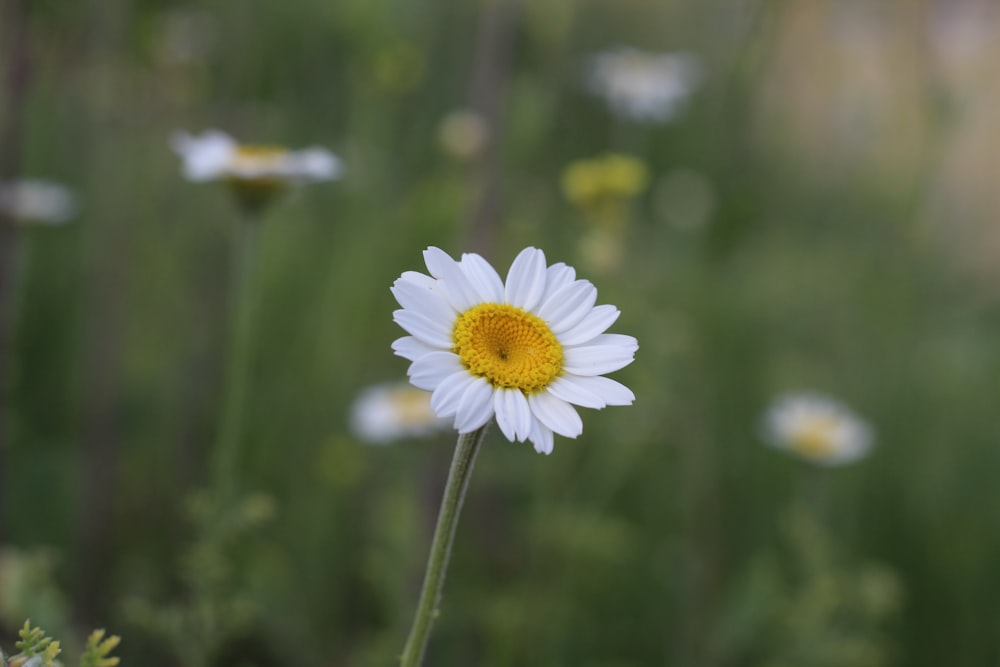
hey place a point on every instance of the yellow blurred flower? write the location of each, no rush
(601, 186)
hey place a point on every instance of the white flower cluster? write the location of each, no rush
(641, 86)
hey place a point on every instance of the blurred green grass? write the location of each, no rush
(827, 262)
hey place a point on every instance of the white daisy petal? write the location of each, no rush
(419, 279)
(521, 415)
(456, 284)
(505, 414)
(513, 414)
(475, 407)
(541, 437)
(571, 391)
(617, 340)
(445, 399)
(526, 279)
(410, 348)
(568, 306)
(422, 300)
(437, 261)
(592, 325)
(483, 277)
(424, 329)
(597, 359)
(428, 371)
(557, 276)
(556, 414)
(610, 391)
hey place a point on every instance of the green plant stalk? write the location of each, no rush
(444, 535)
(242, 299)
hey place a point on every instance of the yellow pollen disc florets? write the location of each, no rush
(508, 346)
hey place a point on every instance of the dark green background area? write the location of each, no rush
(667, 534)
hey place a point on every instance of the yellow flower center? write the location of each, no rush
(814, 437)
(508, 346)
(259, 157)
(255, 190)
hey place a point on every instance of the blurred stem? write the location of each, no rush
(9, 242)
(238, 364)
(444, 535)
(491, 80)
(813, 490)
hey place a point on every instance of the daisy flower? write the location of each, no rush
(393, 411)
(817, 429)
(643, 86)
(255, 171)
(40, 202)
(524, 350)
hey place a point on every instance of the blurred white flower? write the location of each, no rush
(462, 134)
(393, 411)
(216, 156)
(640, 86)
(39, 202)
(817, 429)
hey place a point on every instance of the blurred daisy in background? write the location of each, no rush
(256, 172)
(394, 411)
(37, 202)
(524, 351)
(641, 86)
(818, 429)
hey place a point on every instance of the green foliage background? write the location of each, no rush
(831, 260)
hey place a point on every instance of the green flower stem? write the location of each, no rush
(444, 535)
(230, 433)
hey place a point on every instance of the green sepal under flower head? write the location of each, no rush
(35, 644)
(95, 653)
